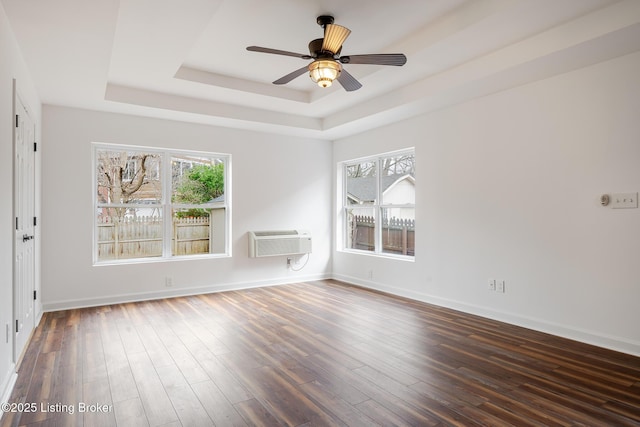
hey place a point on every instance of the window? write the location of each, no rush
(379, 204)
(138, 189)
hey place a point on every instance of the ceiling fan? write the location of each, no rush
(327, 62)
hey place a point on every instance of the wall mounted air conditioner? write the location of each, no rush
(279, 242)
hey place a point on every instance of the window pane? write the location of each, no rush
(191, 232)
(398, 231)
(361, 229)
(361, 183)
(398, 180)
(198, 231)
(128, 177)
(197, 180)
(125, 233)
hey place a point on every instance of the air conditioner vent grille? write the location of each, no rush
(276, 247)
(279, 242)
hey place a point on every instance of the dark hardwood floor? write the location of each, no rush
(312, 354)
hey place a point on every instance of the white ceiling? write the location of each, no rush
(186, 60)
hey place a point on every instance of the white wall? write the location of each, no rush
(508, 188)
(11, 67)
(278, 182)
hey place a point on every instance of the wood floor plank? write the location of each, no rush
(202, 330)
(220, 410)
(282, 398)
(129, 336)
(154, 346)
(121, 381)
(68, 388)
(189, 409)
(393, 403)
(380, 415)
(41, 387)
(422, 406)
(156, 402)
(319, 353)
(333, 379)
(130, 413)
(94, 367)
(256, 415)
(557, 406)
(223, 377)
(96, 406)
(336, 406)
(53, 340)
(189, 366)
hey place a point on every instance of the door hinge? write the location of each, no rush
(17, 326)
(17, 224)
(35, 295)
(35, 221)
(17, 120)
(35, 147)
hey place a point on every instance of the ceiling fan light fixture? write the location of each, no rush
(324, 71)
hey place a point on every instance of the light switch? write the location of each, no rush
(624, 200)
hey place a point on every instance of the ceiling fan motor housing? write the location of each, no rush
(315, 50)
(315, 47)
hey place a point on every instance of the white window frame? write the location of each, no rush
(165, 205)
(377, 206)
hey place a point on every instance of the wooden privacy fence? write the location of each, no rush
(398, 235)
(141, 237)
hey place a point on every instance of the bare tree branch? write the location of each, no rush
(138, 179)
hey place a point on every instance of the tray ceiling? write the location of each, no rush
(187, 60)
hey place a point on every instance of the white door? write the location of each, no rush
(24, 209)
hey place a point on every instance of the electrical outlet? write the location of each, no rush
(492, 284)
(500, 286)
(624, 200)
(168, 281)
(288, 262)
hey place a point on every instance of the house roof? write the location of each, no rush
(218, 199)
(363, 189)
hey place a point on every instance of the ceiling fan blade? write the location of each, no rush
(348, 82)
(397, 59)
(334, 36)
(277, 52)
(292, 75)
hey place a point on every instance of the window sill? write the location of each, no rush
(404, 258)
(158, 259)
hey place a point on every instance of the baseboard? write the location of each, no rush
(612, 343)
(39, 313)
(173, 293)
(7, 386)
